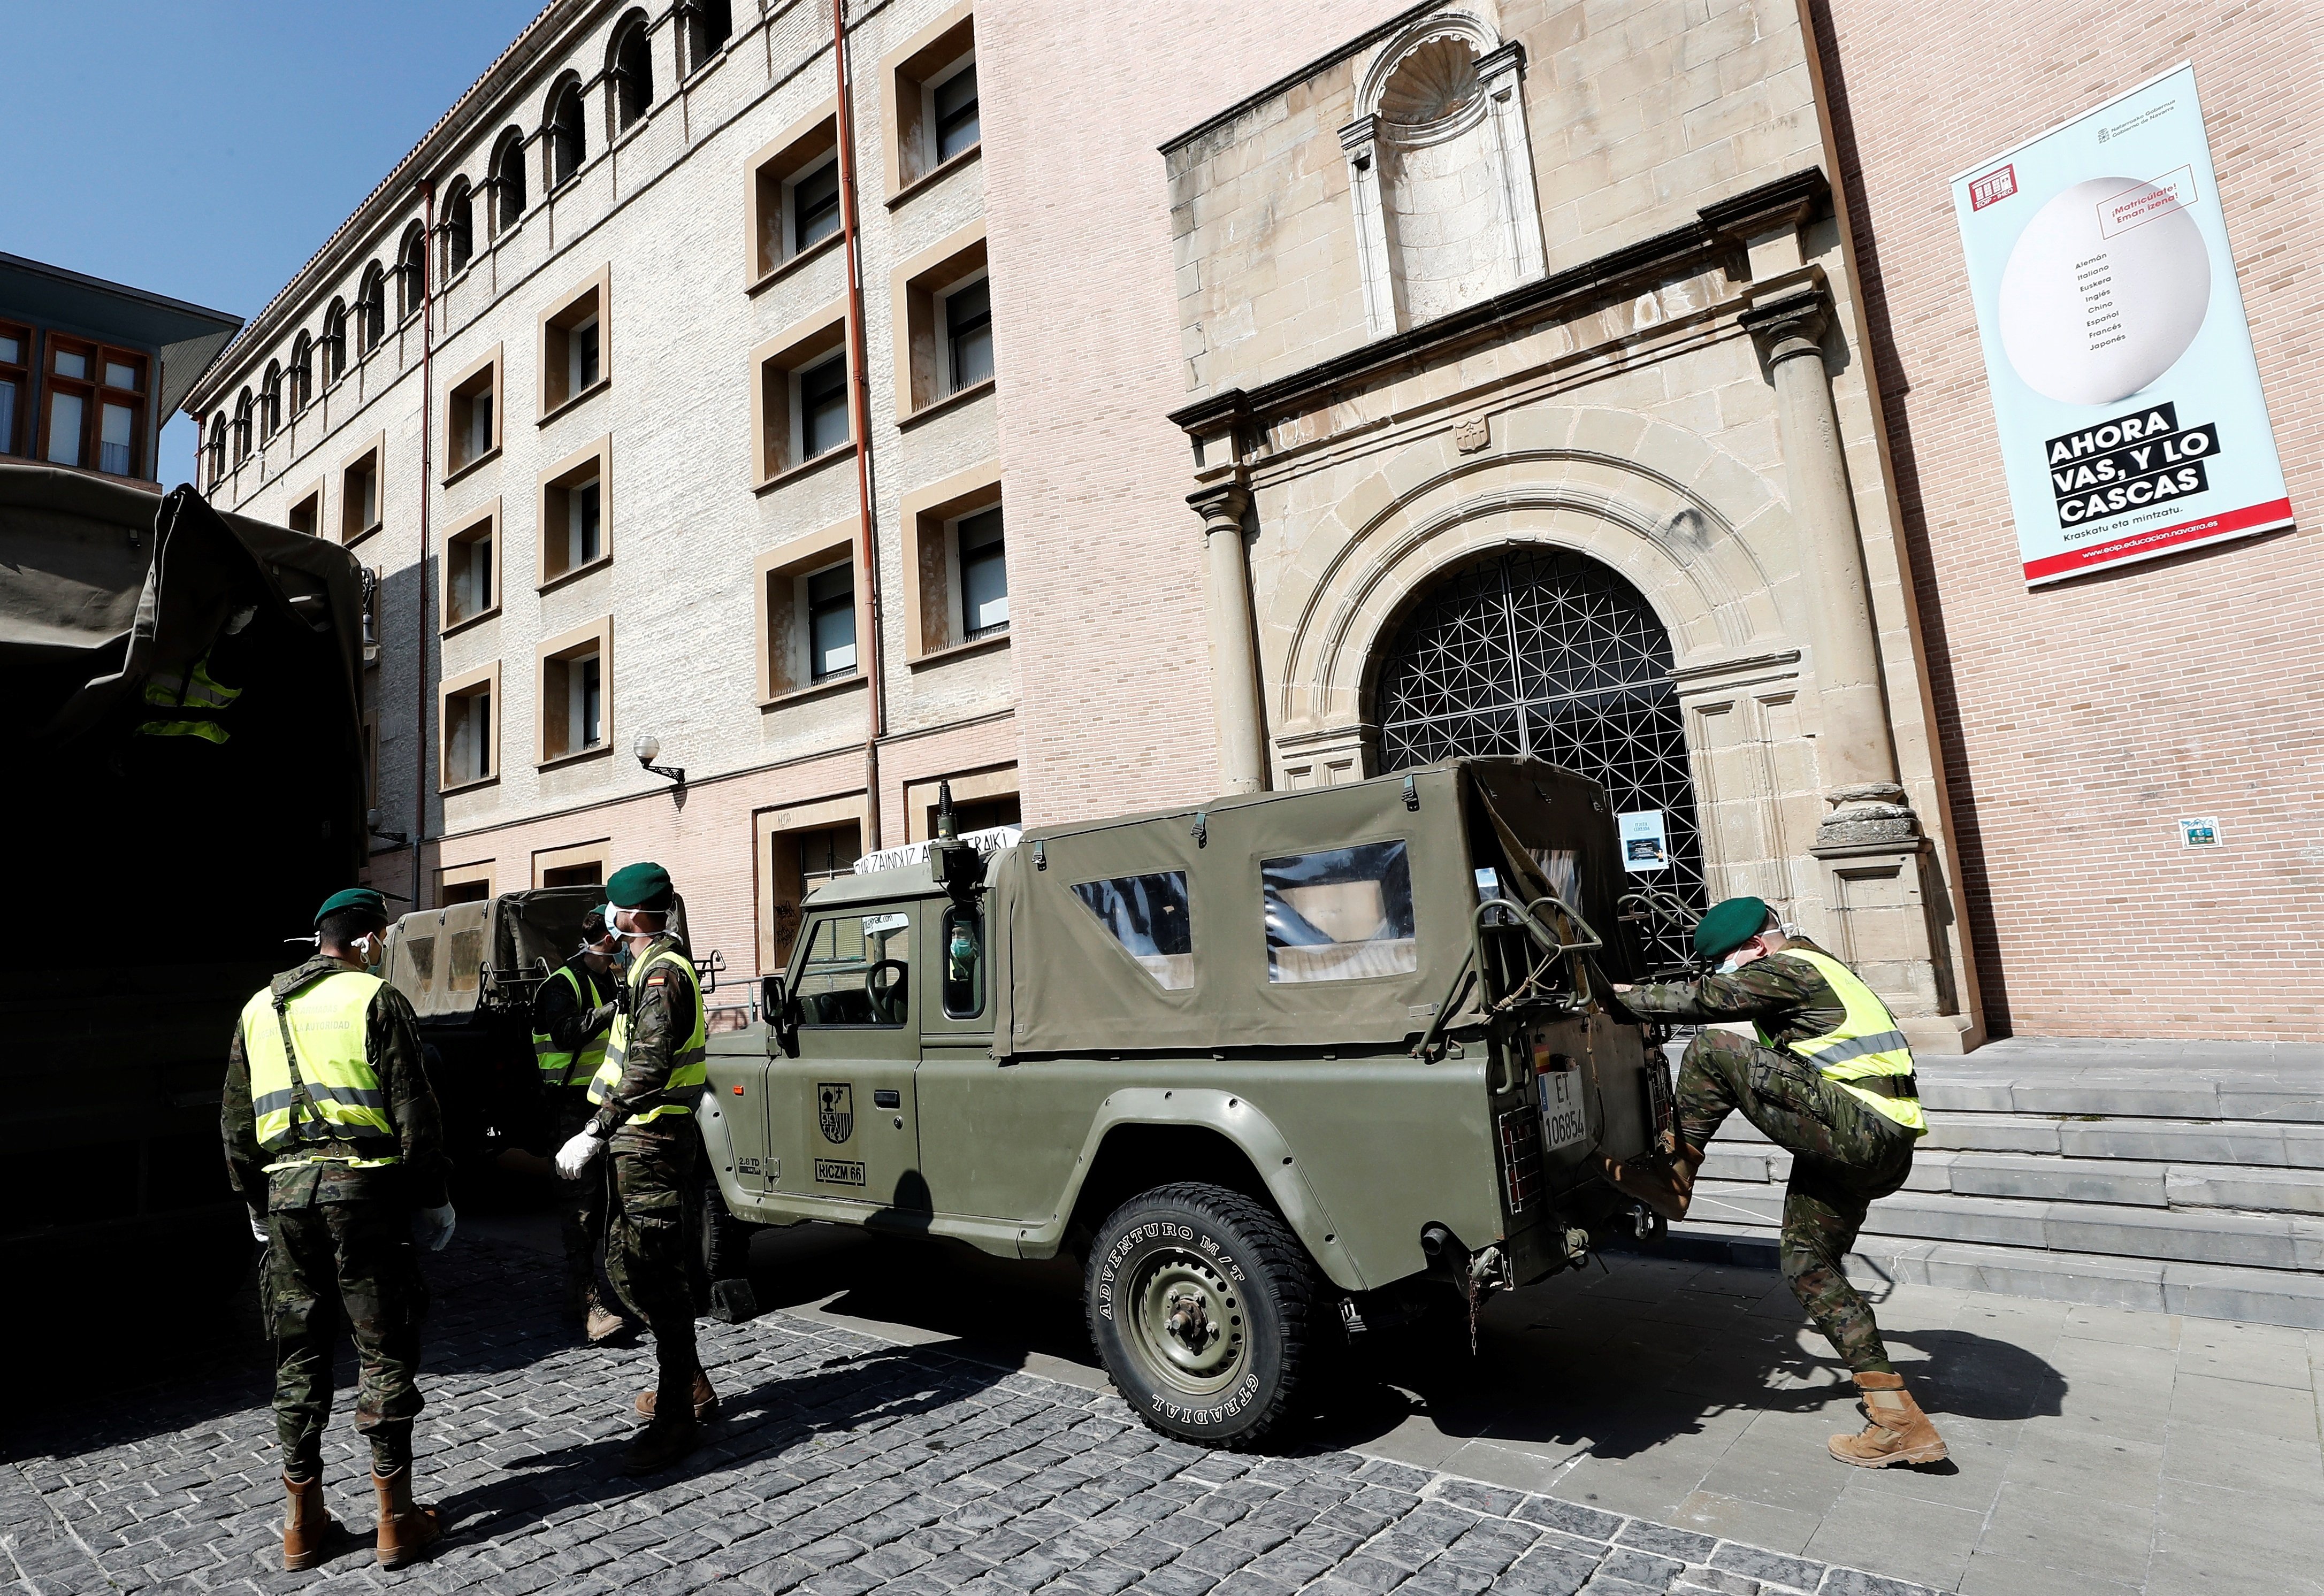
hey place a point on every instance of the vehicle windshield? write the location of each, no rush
(857, 971)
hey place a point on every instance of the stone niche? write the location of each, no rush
(1441, 173)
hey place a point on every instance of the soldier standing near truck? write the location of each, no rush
(571, 1014)
(332, 1137)
(645, 1093)
(1830, 1079)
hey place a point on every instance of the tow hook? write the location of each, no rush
(1645, 1224)
(1577, 1246)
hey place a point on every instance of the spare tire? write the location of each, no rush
(1199, 1301)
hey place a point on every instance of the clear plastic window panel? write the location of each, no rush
(1345, 914)
(1150, 916)
(964, 964)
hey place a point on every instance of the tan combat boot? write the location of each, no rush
(405, 1530)
(1898, 1432)
(1664, 1185)
(308, 1531)
(705, 1401)
(602, 1325)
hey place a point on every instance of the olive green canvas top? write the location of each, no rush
(1333, 916)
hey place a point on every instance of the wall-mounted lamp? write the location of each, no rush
(371, 824)
(648, 749)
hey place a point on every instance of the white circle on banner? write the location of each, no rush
(2106, 288)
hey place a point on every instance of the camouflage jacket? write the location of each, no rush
(661, 1018)
(391, 1043)
(1786, 997)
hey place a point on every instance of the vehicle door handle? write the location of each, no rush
(886, 1098)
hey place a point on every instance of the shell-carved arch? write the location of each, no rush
(1681, 530)
(1445, 27)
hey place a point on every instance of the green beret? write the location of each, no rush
(354, 897)
(1729, 925)
(640, 886)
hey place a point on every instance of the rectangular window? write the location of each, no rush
(66, 413)
(359, 495)
(116, 439)
(574, 685)
(1340, 915)
(823, 408)
(72, 363)
(16, 382)
(964, 964)
(983, 575)
(1150, 916)
(471, 415)
(581, 356)
(857, 971)
(831, 622)
(953, 102)
(307, 515)
(968, 334)
(592, 873)
(468, 735)
(575, 356)
(470, 588)
(575, 514)
(814, 206)
(581, 525)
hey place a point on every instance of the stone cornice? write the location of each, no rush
(1717, 230)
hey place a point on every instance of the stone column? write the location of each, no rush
(1234, 654)
(1856, 754)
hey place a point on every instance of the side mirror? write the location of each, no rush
(783, 1025)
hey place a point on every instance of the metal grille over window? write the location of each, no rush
(1150, 917)
(968, 333)
(1546, 653)
(857, 972)
(1340, 915)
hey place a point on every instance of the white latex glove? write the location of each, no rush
(435, 1226)
(575, 1155)
(258, 1227)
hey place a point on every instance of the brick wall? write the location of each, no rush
(2080, 722)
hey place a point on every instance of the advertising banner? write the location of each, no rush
(2123, 388)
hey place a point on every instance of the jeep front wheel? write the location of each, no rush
(1198, 1301)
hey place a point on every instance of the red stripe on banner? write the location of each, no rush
(2142, 544)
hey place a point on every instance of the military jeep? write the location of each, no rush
(1275, 1069)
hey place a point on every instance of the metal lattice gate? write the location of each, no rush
(1548, 653)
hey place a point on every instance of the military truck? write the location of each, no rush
(185, 785)
(1274, 1068)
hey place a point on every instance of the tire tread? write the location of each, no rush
(1271, 1245)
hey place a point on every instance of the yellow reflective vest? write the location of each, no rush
(689, 1068)
(311, 1084)
(1867, 1044)
(196, 689)
(570, 1069)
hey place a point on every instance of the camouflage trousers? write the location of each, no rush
(1845, 1155)
(646, 1245)
(581, 1207)
(347, 1266)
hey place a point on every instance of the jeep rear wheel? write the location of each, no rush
(1199, 1301)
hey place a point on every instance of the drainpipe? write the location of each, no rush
(859, 404)
(426, 469)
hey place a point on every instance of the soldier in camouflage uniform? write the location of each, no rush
(336, 1150)
(653, 1075)
(1830, 1080)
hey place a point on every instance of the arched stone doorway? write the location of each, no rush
(1541, 651)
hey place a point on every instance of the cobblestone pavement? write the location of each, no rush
(846, 1463)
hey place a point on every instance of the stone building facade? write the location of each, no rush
(1529, 416)
(1541, 376)
(575, 380)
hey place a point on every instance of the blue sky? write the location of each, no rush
(205, 149)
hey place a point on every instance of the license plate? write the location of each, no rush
(1563, 1124)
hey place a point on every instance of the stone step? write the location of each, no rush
(2187, 1235)
(2285, 1145)
(2212, 1291)
(2128, 1183)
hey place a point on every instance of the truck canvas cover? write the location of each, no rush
(454, 960)
(1342, 915)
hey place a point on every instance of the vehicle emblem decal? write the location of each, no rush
(836, 1110)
